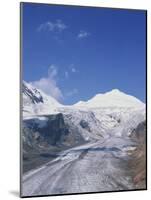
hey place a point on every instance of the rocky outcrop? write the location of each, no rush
(45, 136)
(138, 162)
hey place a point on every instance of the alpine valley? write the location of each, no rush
(92, 146)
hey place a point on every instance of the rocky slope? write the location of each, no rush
(137, 163)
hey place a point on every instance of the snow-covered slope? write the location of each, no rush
(114, 98)
(112, 113)
(36, 102)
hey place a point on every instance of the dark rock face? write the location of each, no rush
(52, 132)
(34, 98)
(139, 134)
(43, 140)
(85, 125)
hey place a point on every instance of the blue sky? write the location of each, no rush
(73, 53)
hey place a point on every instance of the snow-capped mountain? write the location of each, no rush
(112, 113)
(118, 112)
(36, 102)
(114, 98)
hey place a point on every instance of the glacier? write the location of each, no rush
(93, 143)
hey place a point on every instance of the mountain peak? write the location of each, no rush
(115, 91)
(113, 98)
(112, 92)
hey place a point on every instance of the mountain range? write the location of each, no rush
(37, 102)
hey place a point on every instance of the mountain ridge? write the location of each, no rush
(113, 98)
(47, 104)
